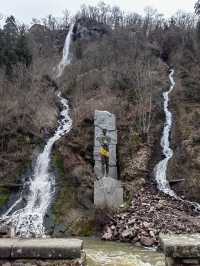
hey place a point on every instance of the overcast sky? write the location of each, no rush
(25, 10)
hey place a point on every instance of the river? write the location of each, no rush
(100, 253)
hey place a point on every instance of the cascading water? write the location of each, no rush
(66, 55)
(160, 170)
(28, 221)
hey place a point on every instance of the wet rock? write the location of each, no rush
(146, 241)
(108, 234)
(128, 233)
(85, 198)
(59, 230)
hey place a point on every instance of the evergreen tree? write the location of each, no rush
(10, 39)
(22, 50)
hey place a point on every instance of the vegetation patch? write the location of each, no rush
(84, 227)
(59, 163)
(4, 196)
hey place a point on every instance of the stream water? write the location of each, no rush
(160, 170)
(100, 253)
(28, 220)
(66, 59)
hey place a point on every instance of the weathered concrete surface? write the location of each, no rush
(179, 246)
(112, 134)
(181, 250)
(108, 192)
(41, 248)
(5, 248)
(38, 262)
(98, 170)
(104, 119)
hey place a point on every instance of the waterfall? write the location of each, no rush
(160, 170)
(28, 221)
(66, 54)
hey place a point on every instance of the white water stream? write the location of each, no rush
(160, 170)
(66, 59)
(28, 221)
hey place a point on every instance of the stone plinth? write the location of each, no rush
(181, 250)
(108, 193)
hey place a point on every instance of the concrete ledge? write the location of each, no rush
(181, 246)
(41, 248)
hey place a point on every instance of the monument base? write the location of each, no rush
(108, 193)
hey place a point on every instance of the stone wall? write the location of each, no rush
(48, 252)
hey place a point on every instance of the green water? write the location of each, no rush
(100, 253)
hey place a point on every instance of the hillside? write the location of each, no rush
(119, 63)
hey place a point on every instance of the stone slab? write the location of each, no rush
(104, 119)
(108, 192)
(111, 134)
(41, 248)
(113, 172)
(98, 170)
(5, 248)
(180, 246)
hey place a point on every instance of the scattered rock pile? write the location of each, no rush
(149, 214)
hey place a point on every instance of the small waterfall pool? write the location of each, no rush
(100, 253)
